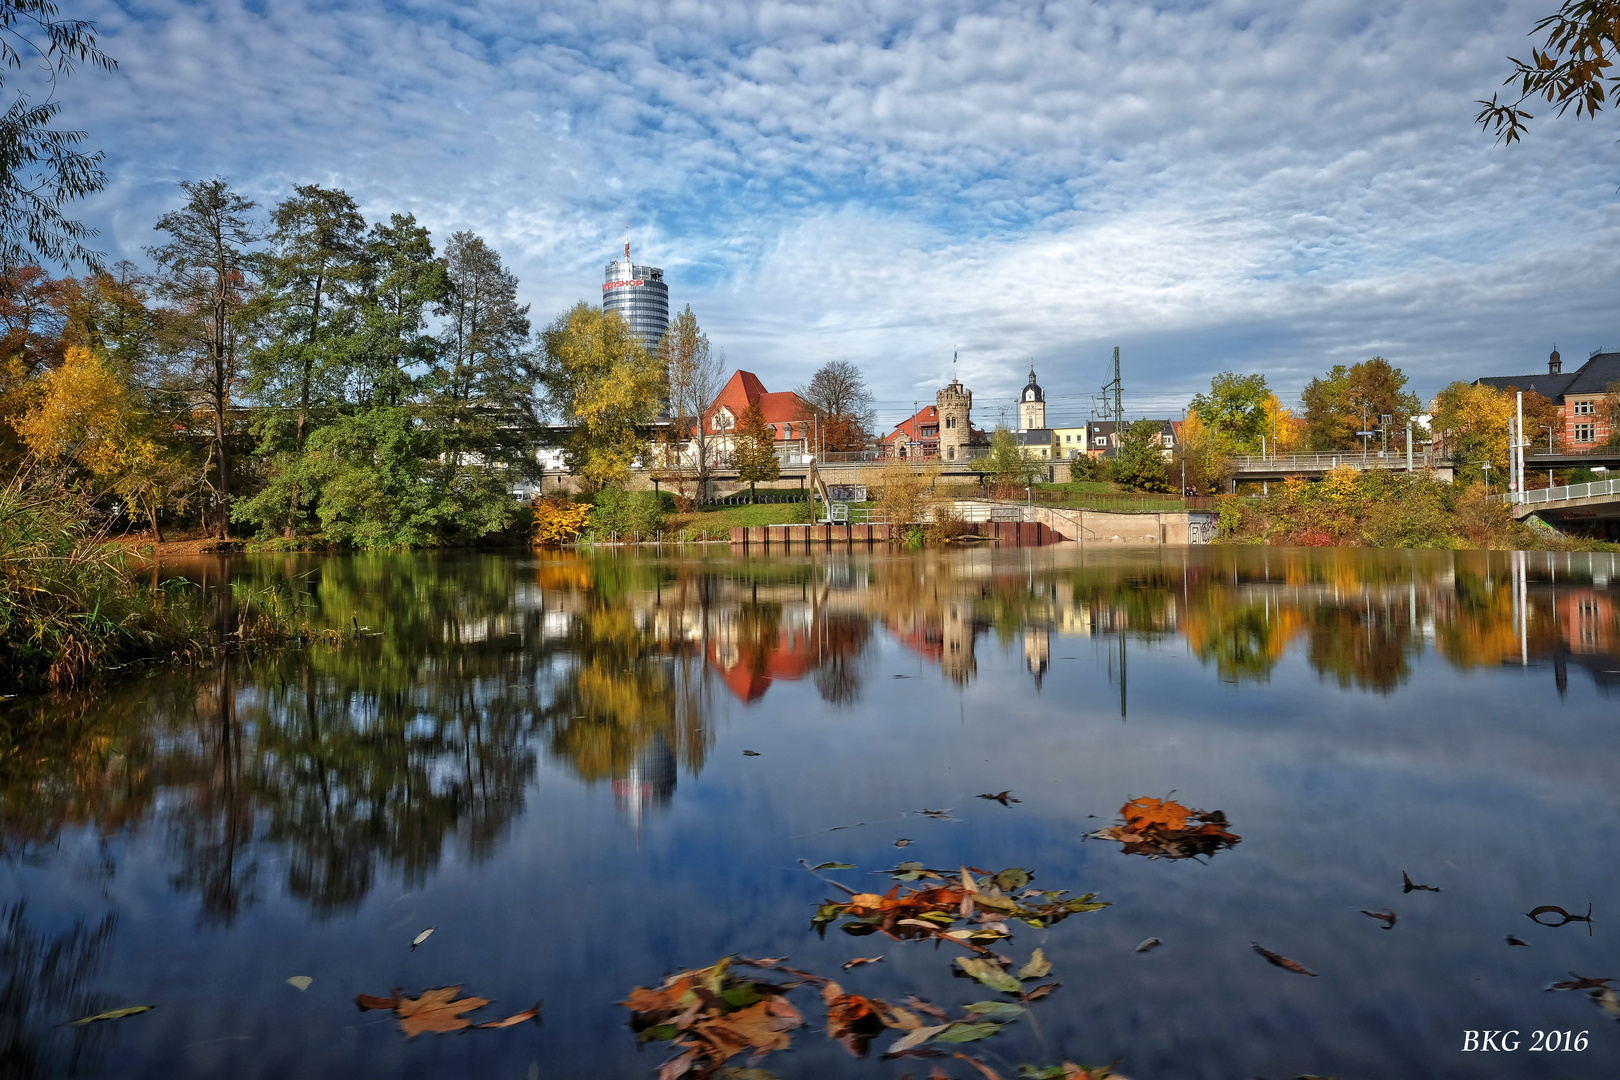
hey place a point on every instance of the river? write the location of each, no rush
(587, 772)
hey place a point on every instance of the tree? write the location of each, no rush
(480, 409)
(41, 167)
(86, 417)
(693, 376)
(1007, 464)
(838, 400)
(1204, 455)
(1610, 410)
(301, 363)
(1236, 406)
(1140, 463)
(753, 450)
(600, 381)
(206, 273)
(1473, 421)
(1283, 430)
(1337, 405)
(1569, 69)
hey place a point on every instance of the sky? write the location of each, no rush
(1249, 185)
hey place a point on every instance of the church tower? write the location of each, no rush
(955, 404)
(1032, 405)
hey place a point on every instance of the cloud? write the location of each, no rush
(1242, 184)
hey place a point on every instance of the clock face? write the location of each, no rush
(1029, 395)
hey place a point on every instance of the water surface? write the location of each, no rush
(545, 759)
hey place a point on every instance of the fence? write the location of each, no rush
(1321, 462)
(1567, 491)
(770, 495)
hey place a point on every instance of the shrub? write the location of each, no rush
(623, 514)
(557, 521)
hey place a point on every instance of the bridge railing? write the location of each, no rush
(1564, 492)
(1325, 460)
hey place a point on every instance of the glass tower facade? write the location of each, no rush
(639, 295)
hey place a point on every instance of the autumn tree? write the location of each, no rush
(206, 273)
(693, 376)
(1237, 407)
(753, 449)
(1609, 408)
(1339, 403)
(1204, 455)
(601, 382)
(1473, 422)
(41, 166)
(838, 403)
(1284, 432)
(1569, 69)
(85, 419)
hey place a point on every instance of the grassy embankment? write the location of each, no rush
(68, 604)
(1348, 508)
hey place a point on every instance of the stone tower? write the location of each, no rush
(1032, 405)
(955, 404)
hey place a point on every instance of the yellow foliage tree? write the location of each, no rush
(1283, 431)
(600, 380)
(83, 416)
(1473, 422)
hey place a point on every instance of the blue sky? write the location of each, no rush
(1261, 185)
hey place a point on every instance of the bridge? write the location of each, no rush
(1248, 467)
(1599, 500)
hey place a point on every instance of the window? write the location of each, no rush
(1169, 440)
(1586, 433)
(1584, 408)
(950, 421)
(1100, 440)
(722, 420)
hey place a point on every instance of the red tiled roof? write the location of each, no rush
(911, 426)
(744, 389)
(758, 664)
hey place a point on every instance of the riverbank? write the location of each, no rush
(1351, 508)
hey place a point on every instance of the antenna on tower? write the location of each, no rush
(627, 243)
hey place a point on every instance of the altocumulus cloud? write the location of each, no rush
(1269, 185)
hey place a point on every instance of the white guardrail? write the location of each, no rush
(1561, 494)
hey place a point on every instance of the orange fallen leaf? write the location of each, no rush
(516, 1018)
(436, 1010)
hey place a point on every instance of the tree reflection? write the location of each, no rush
(45, 985)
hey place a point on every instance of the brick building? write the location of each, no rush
(1579, 394)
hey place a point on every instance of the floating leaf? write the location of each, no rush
(1282, 961)
(902, 843)
(914, 1038)
(750, 753)
(1165, 829)
(859, 960)
(423, 936)
(1037, 968)
(1553, 909)
(1149, 944)
(1511, 940)
(516, 1018)
(1582, 982)
(1015, 877)
(366, 1001)
(834, 866)
(436, 1010)
(1386, 916)
(1041, 991)
(997, 1010)
(1608, 1001)
(989, 973)
(966, 1032)
(1002, 797)
(113, 1014)
(302, 982)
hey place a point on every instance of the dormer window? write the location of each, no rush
(722, 419)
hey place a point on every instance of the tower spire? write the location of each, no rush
(627, 243)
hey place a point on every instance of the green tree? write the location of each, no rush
(1140, 464)
(300, 365)
(206, 271)
(600, 381)
(41, 167)
(1236, 407)
(370, 461)
(1569, 69)
(1007, 464)
(753, 450)
(478, 400)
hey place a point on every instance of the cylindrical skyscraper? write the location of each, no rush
(639, 295)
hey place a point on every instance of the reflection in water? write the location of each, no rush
(46, 985)
(317, 773)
